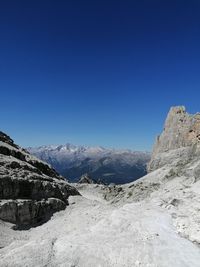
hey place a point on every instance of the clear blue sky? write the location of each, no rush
(96, 72)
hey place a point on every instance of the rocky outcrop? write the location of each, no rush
(28, 212)
(86, 179)
(30, 190)
(6, 139)
(173, 181)
(181, 133)
(9, 148)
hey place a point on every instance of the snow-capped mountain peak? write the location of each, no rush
(72, 161)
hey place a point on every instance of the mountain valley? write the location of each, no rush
(102, 164)
(150, 222)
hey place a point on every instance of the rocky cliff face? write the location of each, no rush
(30, 190)
(173, 181)
(181, 133)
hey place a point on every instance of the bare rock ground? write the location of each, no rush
(93, 232)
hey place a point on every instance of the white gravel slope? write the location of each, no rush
(94, 233)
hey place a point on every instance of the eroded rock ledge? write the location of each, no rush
(30, 190)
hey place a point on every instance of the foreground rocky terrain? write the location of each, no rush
(30, 190)
(95, 232)
(152, 222)
(105, 165)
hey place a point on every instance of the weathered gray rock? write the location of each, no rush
(30, 190)
(6, 139)
(22, 212)
(181, 133)
(9, 149)
(86, 179)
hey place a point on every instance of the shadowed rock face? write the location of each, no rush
(181, 133)
(30, 190)
(28, 212)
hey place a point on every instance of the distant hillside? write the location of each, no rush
(108, 165)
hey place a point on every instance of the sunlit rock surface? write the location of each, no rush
(152, 222)
(30, 190)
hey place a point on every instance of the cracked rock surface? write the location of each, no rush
(30, 190)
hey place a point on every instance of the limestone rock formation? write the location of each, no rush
(153, 221)
(86, 179)
(173, 181)
(181, 133)
(30, 190)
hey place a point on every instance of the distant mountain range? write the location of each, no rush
(106, 165)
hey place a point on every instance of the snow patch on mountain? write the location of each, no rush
(108, 165)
